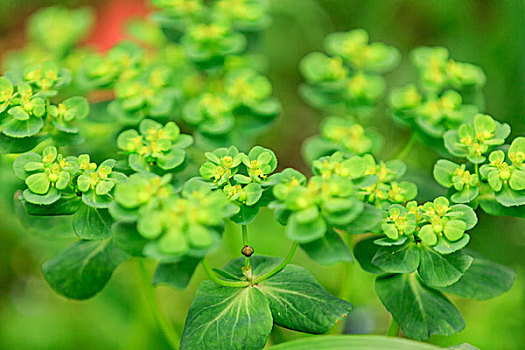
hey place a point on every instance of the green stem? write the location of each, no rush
(407, 148)
(476, 167)
(245, 243)
(393, 330)
(221, 282)
(169, 332)
(347, 273)
(279, 267)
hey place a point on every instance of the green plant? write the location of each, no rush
(197, 75)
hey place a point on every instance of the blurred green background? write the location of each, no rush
(488, 33)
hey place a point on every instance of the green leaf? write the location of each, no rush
(127, 238)
(38, 183)
(438, 270)
(227, 318)
(305, 232)
(246, 214)
(369, 218)
(454, 229)
(328, 249)
(443, 170)
(297, 301)
(364, 252)
(92, 224)
(492, 207)
(466, 195)
(82, 270)
(444, 246)
(21, 161)
(23, 128)
(508, 198)
(419, 310)
(483, 280)
(397, 258)
(104, 187)
(353, 342)
(172, 159)
(177, 274)
(77, 108)
(17, 145)
(93, 200)
(49, 198)
(67, 204)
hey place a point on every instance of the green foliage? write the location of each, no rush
(156, 148)
(473, 141)
(82, 270)
(437, 71)
(349, 79)
(244, 178)
(357, 342)
(420, 311)
(189, 223)
(241, 318)
(196, 70)
(341, 135)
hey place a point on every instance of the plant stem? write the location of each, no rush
(407, 148)
(221, 282)
(279, 267)
(347, 274)
(393, 330)
(476, 167)
(169, 332)
(245, 243)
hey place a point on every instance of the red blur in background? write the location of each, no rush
(111, 19)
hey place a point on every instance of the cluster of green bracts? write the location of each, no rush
(196, 75)
(201, 78)
(347, 80)
(31, 112)
(418, 250)
(498, 185)
(449, 94)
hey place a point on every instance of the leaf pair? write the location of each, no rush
(415, 299)
(242, 318)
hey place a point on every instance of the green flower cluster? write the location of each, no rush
(244, 103)
(387, 189)
(507, 179)
(328, 200)
(208, 44)
(349, 78)
(242, 15)
(189, 223)
(150, 94)
(435, 224)
(450, 94)
(156, 148)
(123, 62)
(27, 114)
(437, 71)
(474, 140)
(244, 178)
(50, 176)
(497, 185)
(341, 135)
(209, 34)
(251, 95)
(432, 115)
